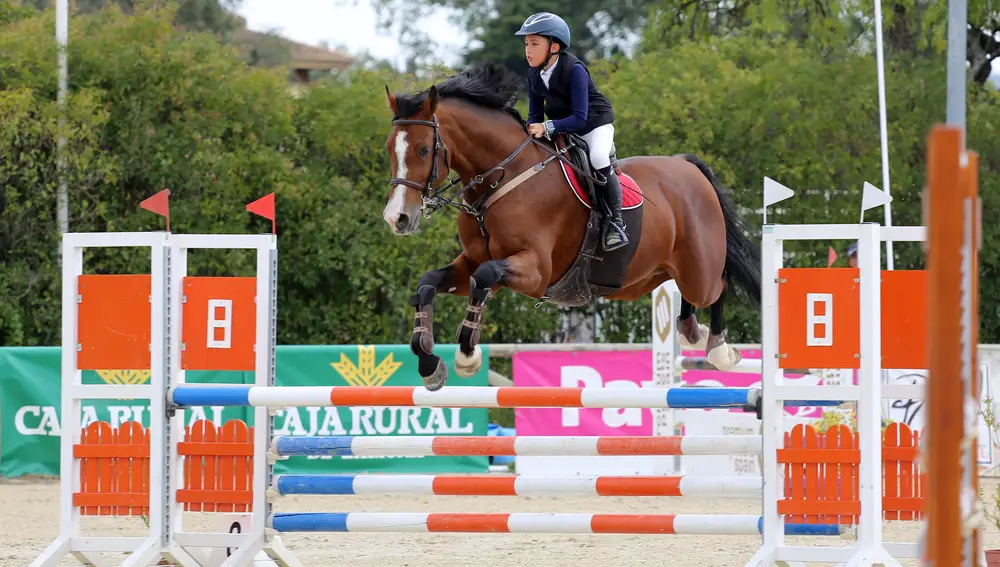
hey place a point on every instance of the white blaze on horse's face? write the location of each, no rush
(395, 209)
(411, 150)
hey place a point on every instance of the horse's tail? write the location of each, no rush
(742, 269)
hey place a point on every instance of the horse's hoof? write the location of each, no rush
(438, 378)
(721, 355)
(468, 366)
(692, 335)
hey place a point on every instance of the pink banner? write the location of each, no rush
(584, 369)
(616, 370)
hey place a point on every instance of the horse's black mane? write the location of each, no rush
(487, 84)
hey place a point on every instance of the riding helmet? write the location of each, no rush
(546, 24)
(852, 249)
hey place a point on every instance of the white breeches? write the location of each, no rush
(600, 141)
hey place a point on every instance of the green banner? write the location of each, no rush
(30, 406)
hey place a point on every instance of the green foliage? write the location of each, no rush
(753, 108)
(153, 106)
(29, 245)
(991, 509)
(828, 27)
(218, 16)
(11, 12)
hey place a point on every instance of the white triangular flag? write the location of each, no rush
(873, 197)
(775, 192)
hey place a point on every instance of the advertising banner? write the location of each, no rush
(611, 369)
(30, 406)
(590, 370)
(583, 369)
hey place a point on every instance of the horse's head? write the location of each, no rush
(418, 159)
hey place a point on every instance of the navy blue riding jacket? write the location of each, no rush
(571, 100)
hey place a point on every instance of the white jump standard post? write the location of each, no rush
(144, 550)
(243, 547)
(869, 549)
(168, 301)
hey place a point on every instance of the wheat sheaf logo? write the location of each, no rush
(124, 377)
(366, 372)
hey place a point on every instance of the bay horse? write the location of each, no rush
(530, 225)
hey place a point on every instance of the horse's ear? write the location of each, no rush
(430, 105)
(390, 99)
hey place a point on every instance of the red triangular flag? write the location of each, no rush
(159, 204)
(264, 207)
(831, 256)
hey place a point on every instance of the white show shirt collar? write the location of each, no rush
(547, 73)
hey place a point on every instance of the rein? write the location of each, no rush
(434, 198)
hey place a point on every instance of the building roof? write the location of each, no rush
(303, 56)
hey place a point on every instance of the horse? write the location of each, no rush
(530, 225)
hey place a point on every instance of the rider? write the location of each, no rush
(560, 86)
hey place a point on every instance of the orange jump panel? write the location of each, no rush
(819, 323)
(219, 323)
(114, 318)
(818, 318)
(904, 319)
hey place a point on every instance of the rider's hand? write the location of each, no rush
(536, 130)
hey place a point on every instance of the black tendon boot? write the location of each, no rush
(614, 228)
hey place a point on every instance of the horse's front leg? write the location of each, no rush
(453, 278)
(521, 272)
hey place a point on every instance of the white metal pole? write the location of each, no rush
(772, 376)
(62, 41)
(870, 381)
(883, 126)
(957, 33)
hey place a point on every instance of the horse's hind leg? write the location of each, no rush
(711, 339)
(469, 357)
(690, 333)
(521, 272)
(719, 353)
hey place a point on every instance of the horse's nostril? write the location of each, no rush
(402, 221)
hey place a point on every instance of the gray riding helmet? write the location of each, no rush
(547, 24)
(852, 249)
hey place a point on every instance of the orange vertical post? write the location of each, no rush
(950, 214)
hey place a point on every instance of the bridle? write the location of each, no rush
(434, 198)
(438, 146)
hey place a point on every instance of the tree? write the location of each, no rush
(754, 107)
(202, 15)
(219, 17)
(910, 27)
(11, 12)
(151, 106)
(599, 29)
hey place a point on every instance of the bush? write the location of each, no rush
(153, 107)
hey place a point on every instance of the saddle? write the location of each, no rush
(575, 149)
(594, 272)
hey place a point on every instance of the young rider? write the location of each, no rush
(560, 86)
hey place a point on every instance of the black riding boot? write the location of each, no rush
(614, 229)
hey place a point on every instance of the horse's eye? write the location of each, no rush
(424, 151)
